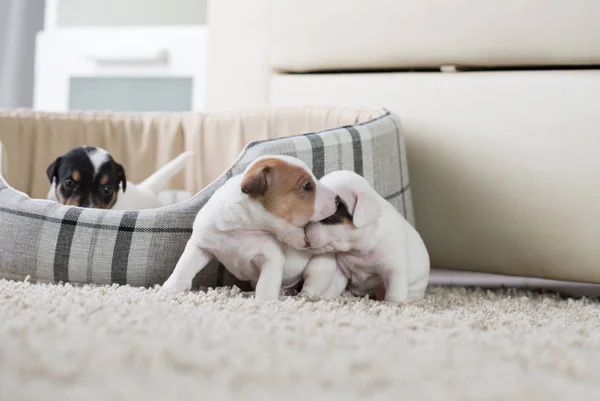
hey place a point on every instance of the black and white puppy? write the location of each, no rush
(87, 177)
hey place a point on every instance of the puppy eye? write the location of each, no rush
(69, 184)
(307, 187)
(107, 189)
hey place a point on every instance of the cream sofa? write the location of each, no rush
(500, 103)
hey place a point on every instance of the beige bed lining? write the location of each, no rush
(144, 142)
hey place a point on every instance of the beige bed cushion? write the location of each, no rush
(311, 35)
(142, 143)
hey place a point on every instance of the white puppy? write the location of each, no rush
(377, 249)
(254, 225)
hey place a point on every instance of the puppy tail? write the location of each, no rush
(161, 177)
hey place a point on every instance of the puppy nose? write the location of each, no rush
(337, 199)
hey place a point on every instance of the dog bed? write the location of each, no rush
(47, 242)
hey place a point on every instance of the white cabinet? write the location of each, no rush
(120, 69)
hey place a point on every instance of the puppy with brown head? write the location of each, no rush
(254, 225)
(290, 193)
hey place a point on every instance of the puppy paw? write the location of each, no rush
(176, 286)
(266, 297)
(306, 293)
(297, 240)
(323, 249)
(309, 295)
(395, 299)
(289, 292)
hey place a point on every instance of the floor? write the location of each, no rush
(122, 343)
(495, 281)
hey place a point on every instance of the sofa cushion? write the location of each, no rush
(504, 166)
(312, 35)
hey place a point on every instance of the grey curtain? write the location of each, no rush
(20, 20)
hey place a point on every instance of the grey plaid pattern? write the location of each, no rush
(55, 243)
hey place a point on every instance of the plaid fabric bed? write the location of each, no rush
(54, 243)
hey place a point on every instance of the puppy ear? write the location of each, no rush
(52, 170)
(367, 210)
(122, 177)
(255, 181)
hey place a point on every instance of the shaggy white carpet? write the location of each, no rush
(122, 343)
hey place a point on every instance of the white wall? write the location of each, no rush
(20, 20)
(131, 12)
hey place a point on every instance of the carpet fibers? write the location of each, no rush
(121, 343)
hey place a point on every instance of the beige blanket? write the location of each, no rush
(144, 142)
